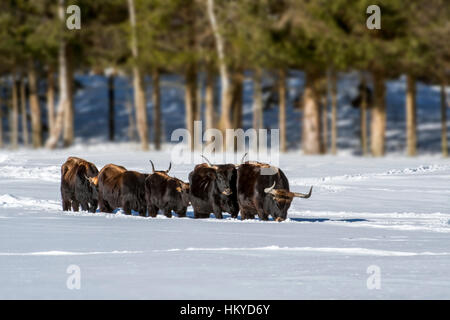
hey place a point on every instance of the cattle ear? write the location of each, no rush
(93, 181)
(211, 175)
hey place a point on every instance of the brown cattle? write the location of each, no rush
(118, 187)
(166, 193)
(75, 187)
(264, 193)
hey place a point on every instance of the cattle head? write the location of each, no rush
(223, 176)
(164, 172)
(282, 199)
(183, 190)
(93, 185)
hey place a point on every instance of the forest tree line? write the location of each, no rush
(221, 39)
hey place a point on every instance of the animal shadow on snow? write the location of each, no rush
(190, 215)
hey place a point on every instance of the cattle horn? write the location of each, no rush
(209, 163)
(153, 167)
(243, 157)
(303, 195)
(269, 190)
(170, 166)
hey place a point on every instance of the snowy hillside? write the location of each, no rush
(390, 213)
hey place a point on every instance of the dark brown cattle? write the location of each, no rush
(120, 188)
(264, 194)
(213, 190)
(75, 187)
(166, 193)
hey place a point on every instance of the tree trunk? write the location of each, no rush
(238, 79)
(444, 121)
(50, 101)
(64, 90)
(36, 124)
(363, 115)
(14, 115)
(210, 113)
(411, 138)
(139, 93)
(23, 111)
(324, 115)
(257, 100)
(378, 117)
(190, 100)
(111, 111)
(311, 128)
(1, 115)
(226, 92)
(156, 108)
(68, 133)
(282, 110)
(333, 112)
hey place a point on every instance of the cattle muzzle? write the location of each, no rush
(227, 192)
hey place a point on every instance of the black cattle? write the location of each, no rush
(264, 194)
(213, 190)
(120, 188)
(75, 187)
(166, 193)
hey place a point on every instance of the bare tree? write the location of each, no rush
(444, 143)
(226, 92)
(411, 136)
(282, 111)
(35, 110)
(257, 100)
(139, 93)
(378, 117)
(50, 101)
(14, 120)
(23, 111)
(210, 113)
(311, 128)
(64, 91)
(156, 96)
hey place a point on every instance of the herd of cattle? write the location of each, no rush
(212, 188)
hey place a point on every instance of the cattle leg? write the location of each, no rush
(181, 213)
(104, 206)
(168, 213)
(93, 207)
(152, 210)
(245, 214)
(75, 205)
(66, 205)
(262, 216)
(217, 212)
(200, 215)
(143, 212)
(126, 208)
(84, 206)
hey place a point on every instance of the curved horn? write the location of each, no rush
(153, 167)
(170, 166)
(269, 190)
(209, 163)
(243, 157)
(302, 195)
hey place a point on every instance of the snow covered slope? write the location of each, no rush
(390, 213)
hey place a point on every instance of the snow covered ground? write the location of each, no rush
(391, 213)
